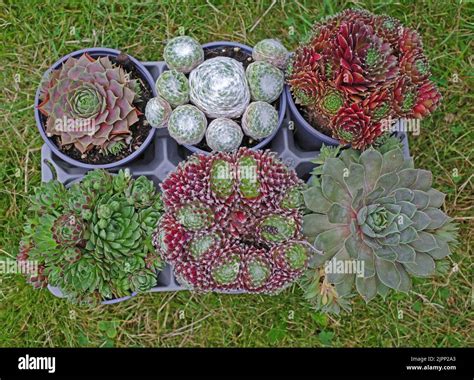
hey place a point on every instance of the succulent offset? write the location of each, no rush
(372, 210)
(260, 120)
(183, 54)
(219, 88)
(233, 223)
(265, 81)
(157, 112)
(224, 135)
(359, 69)
(93, 240)
(187, 124)
(89, 103)
(173, 87)
(271, 51)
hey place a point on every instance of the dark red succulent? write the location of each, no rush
(353, 125)
(232, 220)
(355, 57)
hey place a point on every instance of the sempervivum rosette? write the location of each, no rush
(375, 212)
(357, 59)
(353, 125)
(271, 51)
(224, 135)
(183, 54)
(233, 222)
(93, 240)
(265, 81)
(89, 103)
(219, 88)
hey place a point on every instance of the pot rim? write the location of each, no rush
(282, 106)
(96, 51)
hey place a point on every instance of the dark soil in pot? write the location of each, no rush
(139, 130)
(246, 59)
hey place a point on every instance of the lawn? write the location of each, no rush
(37, 33)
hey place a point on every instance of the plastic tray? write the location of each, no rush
(162, 157)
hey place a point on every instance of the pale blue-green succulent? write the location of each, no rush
(377, 217)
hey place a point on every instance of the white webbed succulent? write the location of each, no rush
(157, 112)
(183, 54)
(224, 135)
(219, 88)
(187, 124)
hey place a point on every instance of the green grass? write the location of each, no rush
(37, 33)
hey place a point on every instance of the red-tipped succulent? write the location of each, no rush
(233, 223)
(357, 69)
(88, 102)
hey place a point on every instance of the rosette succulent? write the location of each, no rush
(157, 112)
(93, 241)
(377, 217)
(173, 87)
(265, 81)
(260, 120)
(219, 88)
(89, 103)
(224, 135)
(183, 54)
(187, 124)
(233, 223)
(358, 69)
(271, 51)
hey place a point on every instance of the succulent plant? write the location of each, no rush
(183, 54)
(173, 87)
(224, 135)
(94, 240)
(265, 81)
(358, 69)
(376, 212)
(228, 226)
(89, 103)
(157, 112)
(260, 120)
(271, 51)
(187, 124)
(219, 88)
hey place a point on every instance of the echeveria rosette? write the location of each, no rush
(94, 92)
(225, 213)
(93, 240)
(376, 209)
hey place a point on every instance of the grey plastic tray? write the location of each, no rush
(162, 157)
